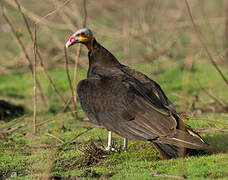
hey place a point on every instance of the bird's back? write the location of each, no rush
(129, 103)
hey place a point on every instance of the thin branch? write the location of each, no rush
(69, 82)
(204, 44)
(25, 20)
(10, 130)
(78, 51)
(45, 146)
(22, 47)
(221, 103)
(49, 24)
(88, 129)
(78, 54)
(54, 11)
(167, 176)
(39, 55)
(15, 129)
(85, 14)
(13, 122)
(34, 80)
(62, 14)
(36, 18)
(206, 130)
(44, 122)
(67, 104)
(80, 134)
(55, 137)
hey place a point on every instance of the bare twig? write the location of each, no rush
(9, 130)
(21, 45)
(78, 51)
(67, 104)
(49, 120)
(40, 57)
(49, 79)
(204, 44)
(55, 137)
(36, 18)
(62, 13)
(25, 19)
(167, 176)
(69, 82)
(77, 56)
(206, 130)
(80, 134)
(44, 122)
(85, 14)
(34, 80)
(226, 30)
(45, 146)
(54, 11)
(221, 103)
(61, 99)
(14, 129)
(13, 122)
(88, 129)
(48, 24)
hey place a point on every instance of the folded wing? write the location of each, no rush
(125, 106)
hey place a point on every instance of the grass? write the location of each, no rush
(78, 153)
(37, 156)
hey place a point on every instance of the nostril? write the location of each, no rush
(72, 39)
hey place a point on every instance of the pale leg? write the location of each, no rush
(125, 145)
(109, 147)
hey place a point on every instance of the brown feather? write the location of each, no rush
(130, 104)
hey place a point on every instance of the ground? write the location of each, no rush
(154, 37)
(67, 148)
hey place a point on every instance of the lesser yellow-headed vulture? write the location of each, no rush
(127, 102)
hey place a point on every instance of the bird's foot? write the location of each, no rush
(124, 149)
(110, 148)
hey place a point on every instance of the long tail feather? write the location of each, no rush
(168, 151)
(191, 141)
(184, 139)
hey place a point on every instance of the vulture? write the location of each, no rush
(129, 103)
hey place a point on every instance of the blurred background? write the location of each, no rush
(154, 37)
(151, 35)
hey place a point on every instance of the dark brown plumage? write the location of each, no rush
(130, 104)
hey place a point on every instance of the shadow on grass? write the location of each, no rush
(9, 110)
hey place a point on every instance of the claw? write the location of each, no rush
(110, 148)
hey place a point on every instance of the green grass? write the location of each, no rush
(35, 156)
(40, 156)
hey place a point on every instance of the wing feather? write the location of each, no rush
(123, 105)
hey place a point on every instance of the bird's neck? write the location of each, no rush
(90, 44)
(101, 60)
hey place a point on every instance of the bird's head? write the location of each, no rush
(83, 36)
